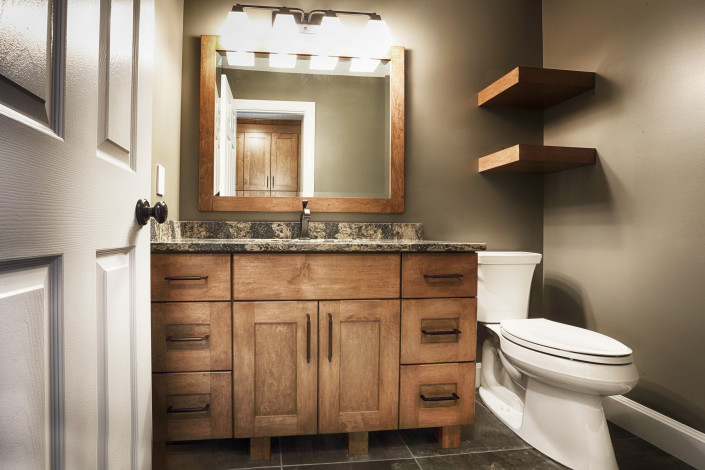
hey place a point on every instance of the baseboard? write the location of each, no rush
(679, 440)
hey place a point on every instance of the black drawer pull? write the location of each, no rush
(453, 396)
(186, 278)
(443, 276)
(171, 409)
(330, 338)
(308, 338)
(454, 331)
(171, 339)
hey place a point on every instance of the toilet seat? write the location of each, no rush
(565, 341)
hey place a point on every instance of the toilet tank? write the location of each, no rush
(503, 284)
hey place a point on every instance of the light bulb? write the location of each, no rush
(376, 39)
(237, 32)
(284, 34)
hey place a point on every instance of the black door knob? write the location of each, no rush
(143, 212)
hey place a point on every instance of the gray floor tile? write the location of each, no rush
(408, 464)
(522, 459)
(222, 454)
(333, 448)
(487, 434)
(637, 454)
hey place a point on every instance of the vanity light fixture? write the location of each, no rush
(318, 32)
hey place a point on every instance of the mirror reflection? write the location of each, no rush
(301, 132)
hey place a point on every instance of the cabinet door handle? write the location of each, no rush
(186, 278)
(453, 396)
(443, 276)
(308, 338)
(330, 338)
(454, 331)
(171, 409)
(171, 339)
(267, 184)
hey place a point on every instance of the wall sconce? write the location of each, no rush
(283, 30)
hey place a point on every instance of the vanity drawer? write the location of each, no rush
(427, 275)
(191, 336)
(448, 392)
(302, 276)
(191, 406)
(190, 277)
(438, 330)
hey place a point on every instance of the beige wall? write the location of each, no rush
(623, 240)
(166, 113)
(454, 49)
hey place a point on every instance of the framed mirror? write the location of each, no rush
(266, 151)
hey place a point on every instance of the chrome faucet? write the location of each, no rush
(303, 220)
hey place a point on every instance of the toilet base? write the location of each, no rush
(567, 426)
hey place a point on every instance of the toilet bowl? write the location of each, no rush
(543, 379)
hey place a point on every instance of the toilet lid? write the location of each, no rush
(565, 341)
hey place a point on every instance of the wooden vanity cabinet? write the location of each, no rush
(438, 335)
(343, 355)
(276, 368)
(321, 343)
(191, 349)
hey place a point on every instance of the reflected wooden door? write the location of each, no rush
(75, 142)
(358, 365)
(285, 164)
(255, 161)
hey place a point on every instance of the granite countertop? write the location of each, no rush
(282, 237)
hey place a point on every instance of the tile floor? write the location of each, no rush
(487, 444)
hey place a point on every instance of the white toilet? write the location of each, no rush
(543, 379)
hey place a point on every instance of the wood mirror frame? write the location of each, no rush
(206, 151)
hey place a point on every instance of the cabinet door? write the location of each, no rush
(255, 161)
(275, 368)
(359, 365)
(285, 162)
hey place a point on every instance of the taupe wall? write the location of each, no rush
(623, 240)
(454, 49)
(166, 114)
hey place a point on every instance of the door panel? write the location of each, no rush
(115, 359)
(27, 58)
(116, 79)
(274, 358)
(358, 365)
(29, 366)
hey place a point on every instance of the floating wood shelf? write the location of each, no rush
(536, 159)
(530, 87)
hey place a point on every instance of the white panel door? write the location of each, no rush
(75, 142)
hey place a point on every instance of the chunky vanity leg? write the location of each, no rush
(357, 443)
(448, 436)
(260, 448)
